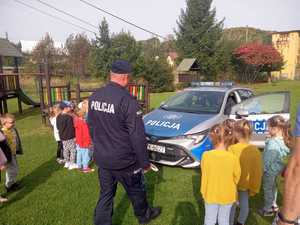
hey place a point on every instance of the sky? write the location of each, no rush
(158, 16)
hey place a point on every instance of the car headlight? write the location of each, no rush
(197, 137)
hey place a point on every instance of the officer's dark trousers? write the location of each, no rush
(132, 183)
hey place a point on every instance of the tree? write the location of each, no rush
(124, 46)
(198, 35)
(44, 50)
(156, 71)
(252, 59)
(169, 44)
(100, 57)
(78, 48)
(151, 47)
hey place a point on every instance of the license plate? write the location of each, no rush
(156, 148)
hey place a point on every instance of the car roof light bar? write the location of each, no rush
(212, 84)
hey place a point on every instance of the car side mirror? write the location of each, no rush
(242, 113)
(162, 103)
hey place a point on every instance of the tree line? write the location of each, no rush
(244, 54)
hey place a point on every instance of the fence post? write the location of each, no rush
(69, 91)
(48, 83)
(41, 93)
(17, 77)
(78, 89)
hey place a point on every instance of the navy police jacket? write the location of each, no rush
(117, 128)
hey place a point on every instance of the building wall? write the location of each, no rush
(288, 44)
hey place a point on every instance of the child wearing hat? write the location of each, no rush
(66, 130)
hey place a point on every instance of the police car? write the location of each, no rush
(177, 132)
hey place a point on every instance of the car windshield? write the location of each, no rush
(201, 102)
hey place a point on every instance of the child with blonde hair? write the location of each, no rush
(14, 142)
(54, 112)
(251, 168)
(83, 141)
(220, 176)
(277, 148)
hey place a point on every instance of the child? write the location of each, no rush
(65, 126)
(5, 157)
(220, 175)
(83, 141)
(275, 153)
(84, 106)
(251, 168)
(14, 143)
(54, 112)
(3, 161)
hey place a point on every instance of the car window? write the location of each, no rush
(195, 102)
(244, 94)
(230, 102)
(264, 104)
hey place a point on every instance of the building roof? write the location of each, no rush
(186, 65)
(8, 49)
(284, 32)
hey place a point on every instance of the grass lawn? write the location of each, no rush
(54, 196)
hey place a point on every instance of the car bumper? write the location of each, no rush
(181, 152)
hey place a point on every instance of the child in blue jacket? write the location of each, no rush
(274, 157)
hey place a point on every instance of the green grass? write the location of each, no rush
(55, 196)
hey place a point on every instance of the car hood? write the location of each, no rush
(164, 123)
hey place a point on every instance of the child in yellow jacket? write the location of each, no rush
(220, 176)
(251, 169)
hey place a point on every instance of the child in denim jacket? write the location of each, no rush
(274, 156)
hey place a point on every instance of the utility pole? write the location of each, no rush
(247, 34)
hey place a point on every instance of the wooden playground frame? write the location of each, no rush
(52, 94)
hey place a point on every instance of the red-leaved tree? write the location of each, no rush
(254, 58)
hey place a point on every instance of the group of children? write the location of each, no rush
(71, 132)
(232, 172)
(10, 147)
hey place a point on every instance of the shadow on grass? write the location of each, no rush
(257, 203)
(153, 179)
(186, 213)
(121, 210)
(27, 112)
(37, 177)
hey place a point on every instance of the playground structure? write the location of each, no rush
(53, 94)
(10, 83)
(49, 94)
(141, 92)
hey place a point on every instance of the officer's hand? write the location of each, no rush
(147, 169)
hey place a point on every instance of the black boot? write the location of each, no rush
(151, 214)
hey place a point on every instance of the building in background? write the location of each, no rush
(288, 44)
(187, 72)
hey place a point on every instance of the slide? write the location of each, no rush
(27, 100)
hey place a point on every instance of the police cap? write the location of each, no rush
(121, 67)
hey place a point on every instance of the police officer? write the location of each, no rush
(290, 211)
(118, 134)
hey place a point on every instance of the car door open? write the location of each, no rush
(259, 109)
